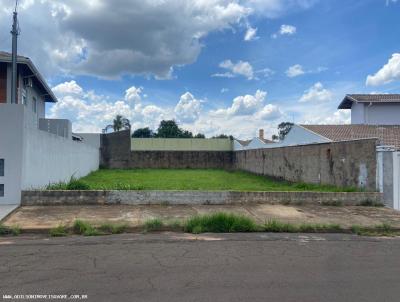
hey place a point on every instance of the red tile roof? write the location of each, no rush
(386, 135)
(368, 98)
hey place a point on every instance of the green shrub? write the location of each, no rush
(58, 231)
(76, 184)
(153, 225)
(110, 228)
(220, 223)
(80, 227)
(5, 230)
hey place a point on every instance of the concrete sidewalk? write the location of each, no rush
(45, 217)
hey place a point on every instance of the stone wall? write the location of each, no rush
(343, 164)
(115, 149)
(194, 197)
(181, 159)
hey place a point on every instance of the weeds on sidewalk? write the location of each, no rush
(110, 228)
(153, 225)
(13, 230)
(59, 231)
(384, 229)
(220, 223)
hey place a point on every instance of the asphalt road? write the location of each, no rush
(181, 267)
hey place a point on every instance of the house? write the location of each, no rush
(254, 143)
(372, 116)
(35, 151)
(373, 109)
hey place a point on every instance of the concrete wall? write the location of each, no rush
(181, 159)
(193, 197)
(49, 158)
(343, 164)
(181, 144)
(11, 138)
(92, 139)
(60, 127)
(375, 114)
(35, 158)
(115, 149)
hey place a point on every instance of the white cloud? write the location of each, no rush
(133, 94)
(223, 90)
(294, 71)
(90, 112)
(188, 108)
(327, 118)
(269, 112)
(388, 73)
(68, 88)
(317, 93)
(251, 34)
(244, 105)
(285, 29)
(241, 68)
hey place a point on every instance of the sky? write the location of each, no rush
(215, 66)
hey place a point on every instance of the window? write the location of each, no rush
(24, 98)
(34, 104)
(1, 190)
(1, 167)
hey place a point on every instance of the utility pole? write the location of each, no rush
(14, 33)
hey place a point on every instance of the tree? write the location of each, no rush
(284, 129)
(143, 133)
(199, 135)
(275, 137)
(223, 136)
(120, 123)
(170, 129)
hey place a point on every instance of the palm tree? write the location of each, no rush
(117, 123)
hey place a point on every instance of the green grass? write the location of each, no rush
(187, 179)
(220, 223)
(110, 228)
(153, 225)
(58, 231)
(13, 230)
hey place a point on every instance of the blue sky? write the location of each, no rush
(189, 60)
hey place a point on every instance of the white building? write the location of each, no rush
(254, 143)
(35, 151)
(373, 109)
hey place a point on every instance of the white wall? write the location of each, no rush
(49, 158)
(357, 113)
(11, 137)
(92, 139)
(382, 114)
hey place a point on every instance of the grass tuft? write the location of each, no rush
(13, 230)
(220, 223)
(153, 225)
(110, 228)
(59, 231)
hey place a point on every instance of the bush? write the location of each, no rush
(76, 184)
(153, 225)
(110, 228)
(220, 223)
(5, 230)
(58, 231)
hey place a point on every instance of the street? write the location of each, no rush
(208, 267)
